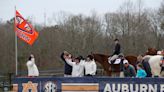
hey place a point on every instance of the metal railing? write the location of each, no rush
(6, 82)
(56, 73)
(6, 78)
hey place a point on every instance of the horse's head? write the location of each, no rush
(151, 51)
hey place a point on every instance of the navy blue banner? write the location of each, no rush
(89, 84)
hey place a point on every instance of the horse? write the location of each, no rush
(114, 68)
(154, 61)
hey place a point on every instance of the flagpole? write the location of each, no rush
(16, 48)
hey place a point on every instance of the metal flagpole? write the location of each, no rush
(16, 48)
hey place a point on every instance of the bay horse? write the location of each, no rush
(103, 60)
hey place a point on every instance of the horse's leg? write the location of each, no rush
(121, 74)
(112, 69)
(106, 69)
(108, 73)
(115, 74)
(118, 74)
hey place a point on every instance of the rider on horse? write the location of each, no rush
(117, 51)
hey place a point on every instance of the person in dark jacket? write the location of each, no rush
(67, 67)
(129, 70)
(147, 67)
(117, 51)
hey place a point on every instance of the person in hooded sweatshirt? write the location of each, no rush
(31, 66)
(140, 71)
(77, 67)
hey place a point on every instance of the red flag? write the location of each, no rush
(24, 30)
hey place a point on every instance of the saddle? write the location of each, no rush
(116, 65)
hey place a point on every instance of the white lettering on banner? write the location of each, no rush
(125, 88)
(107, 88)
(151, 88)
(143, 88)
(23, 36)
(162, 88)
(134, 88)
(116, 88)
(50, 87)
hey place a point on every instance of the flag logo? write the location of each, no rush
(24, 30)
(22, 26)
(50, 86)
(30, 87)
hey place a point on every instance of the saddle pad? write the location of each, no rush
(117, 61)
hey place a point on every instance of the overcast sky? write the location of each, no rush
(37, 8)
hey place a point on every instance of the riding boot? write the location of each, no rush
(112, 65)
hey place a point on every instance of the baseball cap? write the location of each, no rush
(125, 62)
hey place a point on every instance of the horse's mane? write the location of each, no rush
(100, 57)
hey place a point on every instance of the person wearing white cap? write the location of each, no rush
(129, 70)
(125, 62)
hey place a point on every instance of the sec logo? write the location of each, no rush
(50, 87)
